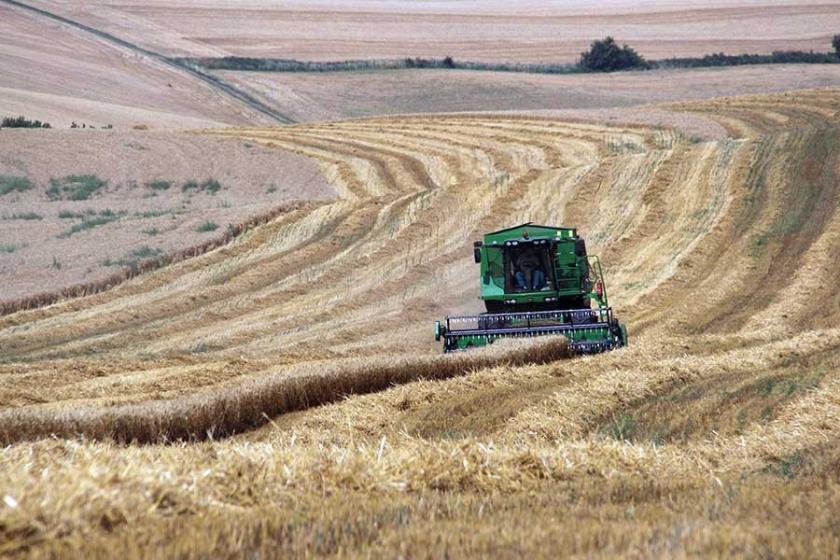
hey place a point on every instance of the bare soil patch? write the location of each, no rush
(163, 192)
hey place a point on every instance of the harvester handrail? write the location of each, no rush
(562, 316)
(519, 314)
(595, 266)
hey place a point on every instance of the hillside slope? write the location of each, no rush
(85, 76)
(491, 30)
(712, 433)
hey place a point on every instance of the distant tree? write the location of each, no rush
(607, 56)
(22, 122)
(448, 62)
(835, 42)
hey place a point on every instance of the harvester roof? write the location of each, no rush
(528, 230)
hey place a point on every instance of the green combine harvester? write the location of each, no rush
(535, 281)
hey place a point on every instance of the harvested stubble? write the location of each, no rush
(725, 413)
(221, 413)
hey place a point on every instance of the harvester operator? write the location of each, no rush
(529, 272)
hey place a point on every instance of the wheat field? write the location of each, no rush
(283, 395)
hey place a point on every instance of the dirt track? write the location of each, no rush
(721, 256)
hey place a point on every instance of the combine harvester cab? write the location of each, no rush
(535, 281)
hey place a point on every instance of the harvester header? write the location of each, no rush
(537, 280)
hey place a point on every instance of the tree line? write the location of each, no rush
(604, 55)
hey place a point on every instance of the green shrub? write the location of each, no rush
(607, 56)
(70, 215)
(722, 59)
(207, 226)
(74, 187)
(622, 428)
(26, 216)
(12, 183)
(287, 65)
(134, 257)
(151, 213)
(606, 59)
(145, 252)
(210, 185)
(10, 248)
(22, 122)
(92, 221)
(152, 231)
(159, 185)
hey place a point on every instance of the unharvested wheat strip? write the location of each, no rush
(80, 474)
(245, 406)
